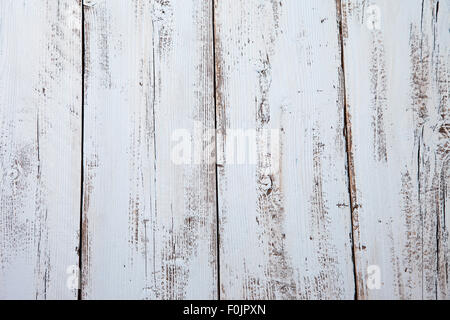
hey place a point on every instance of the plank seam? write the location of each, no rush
(349, 152)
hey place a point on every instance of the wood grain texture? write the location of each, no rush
(285, 222)
(149, 224)
(397, 73)
(40, 147)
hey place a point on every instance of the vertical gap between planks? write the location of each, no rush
(80, 251)
(349, 152)
(216, 150)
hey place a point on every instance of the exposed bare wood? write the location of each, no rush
(149, 222)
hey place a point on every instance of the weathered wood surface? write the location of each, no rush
(285, 223)
(397, 72)
(332, 146)
(149, 220)
(40, 147)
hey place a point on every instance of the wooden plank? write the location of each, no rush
(285, 223)
(149, 221)
(40, 147)
(397, 71)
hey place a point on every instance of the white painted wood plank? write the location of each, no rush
(397, 72)
(285, 231)
(149, 229)
(40, 147)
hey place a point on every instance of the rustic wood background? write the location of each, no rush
(92, 91)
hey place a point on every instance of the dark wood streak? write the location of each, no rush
(86, 188)
(412, 251)
(342, 12)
